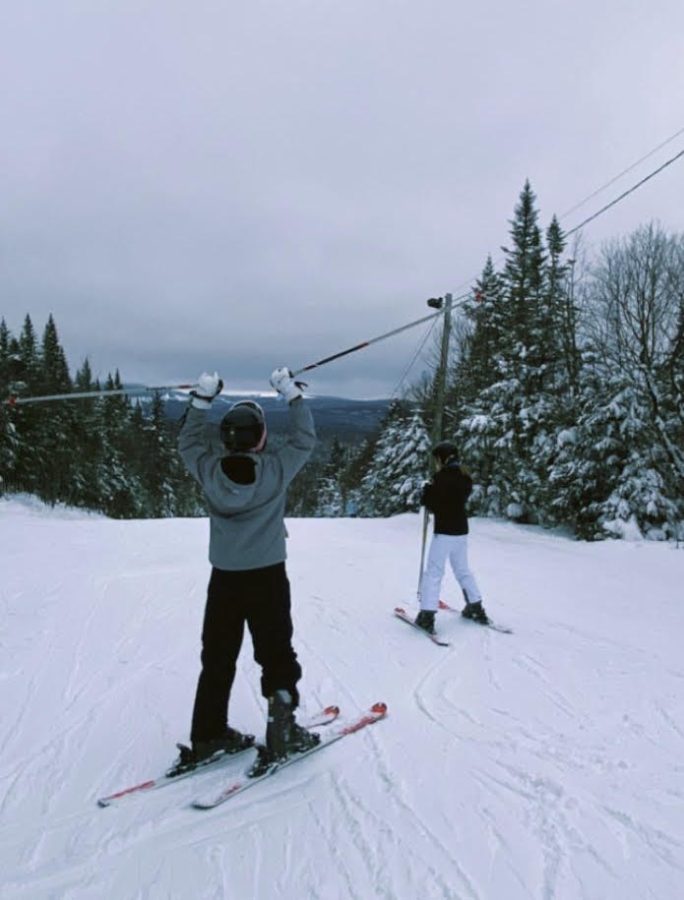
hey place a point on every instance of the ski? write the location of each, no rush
(324, 717)
(405, 617)
(493, 625)
(243, 782)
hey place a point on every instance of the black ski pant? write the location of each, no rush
(260, 598)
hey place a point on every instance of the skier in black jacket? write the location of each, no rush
(445, 497)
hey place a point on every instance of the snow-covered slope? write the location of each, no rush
(546, 764)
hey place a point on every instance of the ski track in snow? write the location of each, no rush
(542, 765)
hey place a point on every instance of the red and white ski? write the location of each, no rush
(405, 617)
(243, 782)
(324, 717)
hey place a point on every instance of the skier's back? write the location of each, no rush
(245, 485)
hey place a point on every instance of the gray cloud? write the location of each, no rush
(241, 185)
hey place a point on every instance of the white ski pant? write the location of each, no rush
(453, 547)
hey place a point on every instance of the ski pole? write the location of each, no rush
(80, 395)
(426, 519)
(375, 340)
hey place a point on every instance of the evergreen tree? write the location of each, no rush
(607, 476)
(118, 485)
(562, 318)
(635, 328)
(161, 463)
(5, 360)
(8, 435)
(57, 465)
(88, 430)
(508, 426)
(302, 494)
(523, 282)
(351, 478)
(54, 372)
(331, 499)
(590, 453)
(330, 502)
(395, 478)
(476, 404)
(476, 369)
(29, 420)
(29, 367)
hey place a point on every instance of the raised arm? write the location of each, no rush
(193, 444)
(301, 438)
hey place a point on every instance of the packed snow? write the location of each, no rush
(547, 764)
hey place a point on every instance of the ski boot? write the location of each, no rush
(426, 620)
(475, 612)
(284, 737)
(203, 752)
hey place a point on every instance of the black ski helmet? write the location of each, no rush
(244, 427)
(445, 451)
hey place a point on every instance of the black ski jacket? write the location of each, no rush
(445, 496)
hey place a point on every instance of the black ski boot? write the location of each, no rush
(284, 736)
(203, 752)
(426, 620)
(476, 612)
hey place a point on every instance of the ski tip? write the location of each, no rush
(443, 605)
(379, 708)
(400, 611)
(332, 711)
(103, 802)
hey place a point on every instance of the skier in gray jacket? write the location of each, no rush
(245, 484)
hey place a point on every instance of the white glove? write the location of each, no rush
(208, 387)
(283, 381)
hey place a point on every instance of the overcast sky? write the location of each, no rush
(239, 185)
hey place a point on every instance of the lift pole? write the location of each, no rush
(438, 412)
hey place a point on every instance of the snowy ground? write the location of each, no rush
(548, 764)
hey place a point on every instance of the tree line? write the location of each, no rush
(108, 454)
(565, 389)
(565, 394)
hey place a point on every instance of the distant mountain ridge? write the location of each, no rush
(350, 421)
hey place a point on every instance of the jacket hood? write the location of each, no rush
(236, 488)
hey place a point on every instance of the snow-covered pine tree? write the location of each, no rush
(476, 367)
(634, 295)
(5, 338)
(8, 434)
(563, 318)
(552, 380)
(9, 446)
(88, 439)
(118, 483)
(531, 285)
(58, 462)
(505, 422)
(161, 474)
(399, 467)
(470, 402)
(351, 478)
(607, 477)
(331, 495)
(590, 453)
(29, 420)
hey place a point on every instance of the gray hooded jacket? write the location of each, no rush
(247, 528)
